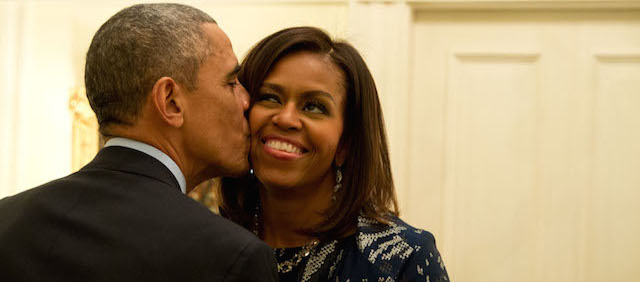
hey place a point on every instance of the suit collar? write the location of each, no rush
(132, 161)
(154, 152)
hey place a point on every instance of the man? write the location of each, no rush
(161, 79)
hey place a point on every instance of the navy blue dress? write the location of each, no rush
(394, 252)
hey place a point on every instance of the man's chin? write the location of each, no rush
(238, 171)
(229, 169)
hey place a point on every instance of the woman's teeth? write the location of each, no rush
(283, 146)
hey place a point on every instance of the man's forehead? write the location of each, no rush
(221, 49)
(227, 61)
(218, 39)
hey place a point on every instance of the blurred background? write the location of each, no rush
(514, 125)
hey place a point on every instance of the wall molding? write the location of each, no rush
(497, 56)
(524, 5)
(618, 57)
(12, 27)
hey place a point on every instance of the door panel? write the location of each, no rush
(613, 221)
(524, 136)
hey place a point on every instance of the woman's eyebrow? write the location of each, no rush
(317, 93)
(272, 86)
(306, 95)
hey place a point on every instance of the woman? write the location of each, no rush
(322, 194)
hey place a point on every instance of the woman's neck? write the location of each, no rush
(287, 212)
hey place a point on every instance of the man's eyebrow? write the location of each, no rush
(233, 73)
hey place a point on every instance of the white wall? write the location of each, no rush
(42, 49)
(36, 77)
(43, 44)
(9, 45)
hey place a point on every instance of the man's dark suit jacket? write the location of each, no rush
(123, 218)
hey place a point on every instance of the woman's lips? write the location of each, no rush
(282, 149)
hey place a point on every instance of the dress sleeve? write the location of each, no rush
(425, 263)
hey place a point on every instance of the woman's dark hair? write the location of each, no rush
(367, 186)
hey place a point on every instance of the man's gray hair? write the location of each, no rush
(136, 47)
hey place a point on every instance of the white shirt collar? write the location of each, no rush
(155, 153)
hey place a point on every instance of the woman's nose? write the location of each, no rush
(287, 118)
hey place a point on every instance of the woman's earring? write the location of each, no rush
(338, 183)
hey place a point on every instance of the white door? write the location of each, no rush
(525, 143)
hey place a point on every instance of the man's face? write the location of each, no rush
(216, 131)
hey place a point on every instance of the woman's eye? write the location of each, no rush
(315, 107)
(268, 98)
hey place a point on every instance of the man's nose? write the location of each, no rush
(243, 97)
(288, 118)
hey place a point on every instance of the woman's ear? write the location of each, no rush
(341, 154)
(168, 101)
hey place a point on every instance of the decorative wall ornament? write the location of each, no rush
(206, 194)
(85, 139)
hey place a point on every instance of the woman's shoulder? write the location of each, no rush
(396, 230)
(400, 249)
(414, 235)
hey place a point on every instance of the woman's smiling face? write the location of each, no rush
(297, 120)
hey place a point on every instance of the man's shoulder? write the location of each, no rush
(208, 241)
(140, 218)
(136, 203)
(32, 195)
(207, 224)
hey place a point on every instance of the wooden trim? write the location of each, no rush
(12, 55)
(85, 139)
(524, 4)
(199, 3)
(271, 2)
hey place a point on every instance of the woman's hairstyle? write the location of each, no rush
(367, 186)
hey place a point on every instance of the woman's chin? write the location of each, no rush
(278, 185)
(273, 184)
(275, 178)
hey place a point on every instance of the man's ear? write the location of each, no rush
(168, 101)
